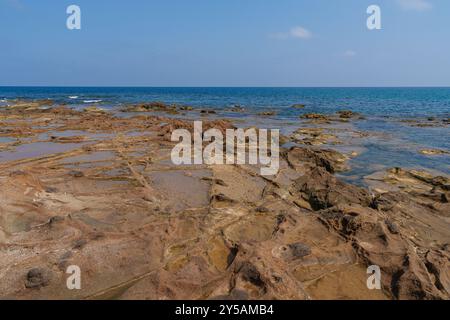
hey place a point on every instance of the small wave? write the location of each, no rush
(73, 97)
(92, 101)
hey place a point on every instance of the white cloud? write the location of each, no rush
(350, 53)
(416, 5)
(300, 32)
(296, 32)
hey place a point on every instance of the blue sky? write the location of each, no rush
(225, 43)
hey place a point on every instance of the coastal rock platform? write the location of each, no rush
(99, 191)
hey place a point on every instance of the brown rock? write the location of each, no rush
(323, 190)
(37, 278)
(314, 116)
(330, 160)
(347, 114)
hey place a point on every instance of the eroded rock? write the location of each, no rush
(37, 278)
(142, 228)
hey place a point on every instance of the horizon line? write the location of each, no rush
(237, 87)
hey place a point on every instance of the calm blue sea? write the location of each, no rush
(382, 107)
(405, 102)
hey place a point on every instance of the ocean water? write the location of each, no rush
(404, 102)
(383, 109)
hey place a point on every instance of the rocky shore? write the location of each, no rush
(98, 190)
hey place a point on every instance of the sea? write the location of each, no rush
(388, 113)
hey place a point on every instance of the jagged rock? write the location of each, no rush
(34, 105)
(438, 264)
(330, 160)
(347, 114)
(151, 106)
(221, 198)
(313, 136)
(314, 116)
(322, 190)
(433, 152)
(252, 275)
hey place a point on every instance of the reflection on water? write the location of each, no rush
(38, 149)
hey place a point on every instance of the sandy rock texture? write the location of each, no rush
(99, 191)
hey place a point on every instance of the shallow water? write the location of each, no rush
(6, 140)
(179, 185)
(396, 143)
(38, 149)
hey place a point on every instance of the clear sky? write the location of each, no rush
(225, 43)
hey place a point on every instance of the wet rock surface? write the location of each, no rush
(140, 227)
